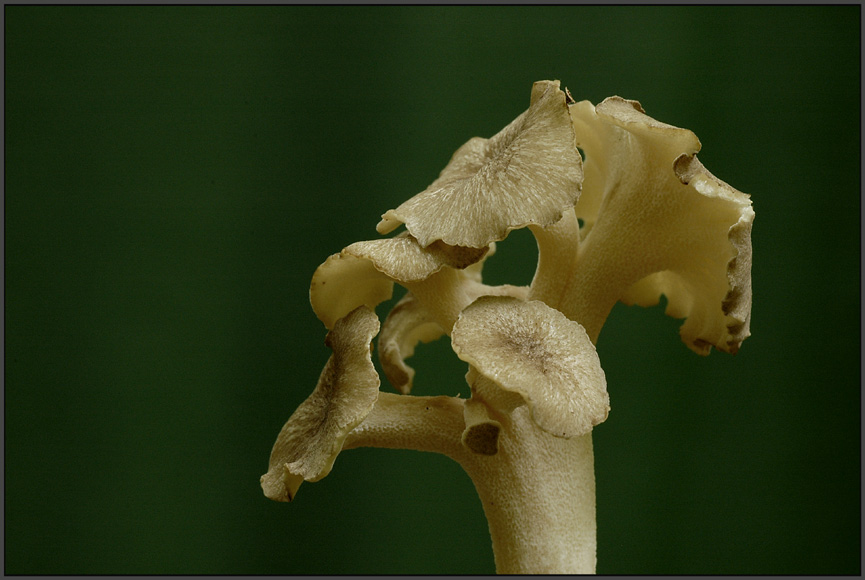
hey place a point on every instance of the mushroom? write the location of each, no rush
(347, 390)
(657, 222)
(527, 174)
(650, 220)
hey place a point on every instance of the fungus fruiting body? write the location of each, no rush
(638, 218)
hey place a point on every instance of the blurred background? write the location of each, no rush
(174, 175)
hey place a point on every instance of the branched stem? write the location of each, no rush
(538, 491)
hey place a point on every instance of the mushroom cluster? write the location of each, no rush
(637, 218)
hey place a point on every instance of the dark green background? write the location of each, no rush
(174, 175)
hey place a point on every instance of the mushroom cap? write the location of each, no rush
(404, 260)
(528, 173)
(364, 272)
(346, 392)
(657, 222)
(528, 348)
(407, 324)
(344, 282)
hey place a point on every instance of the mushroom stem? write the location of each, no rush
(444, 294)
(538, 494)
(558, 247)
(409, 422)
(537, 491)
(448, 292)
(591, 297)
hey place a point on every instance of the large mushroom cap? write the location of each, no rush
(657, 222)
(347, 389)
(528, 173)
(531, 349)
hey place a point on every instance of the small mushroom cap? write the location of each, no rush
(346, 392)
(407, 324)
(344, 282)
(533, 350)
(657, 222)
(364, 272)
(528, 173)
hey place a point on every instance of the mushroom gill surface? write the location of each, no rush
(528, 348)
(527, 174)
(346, 392)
